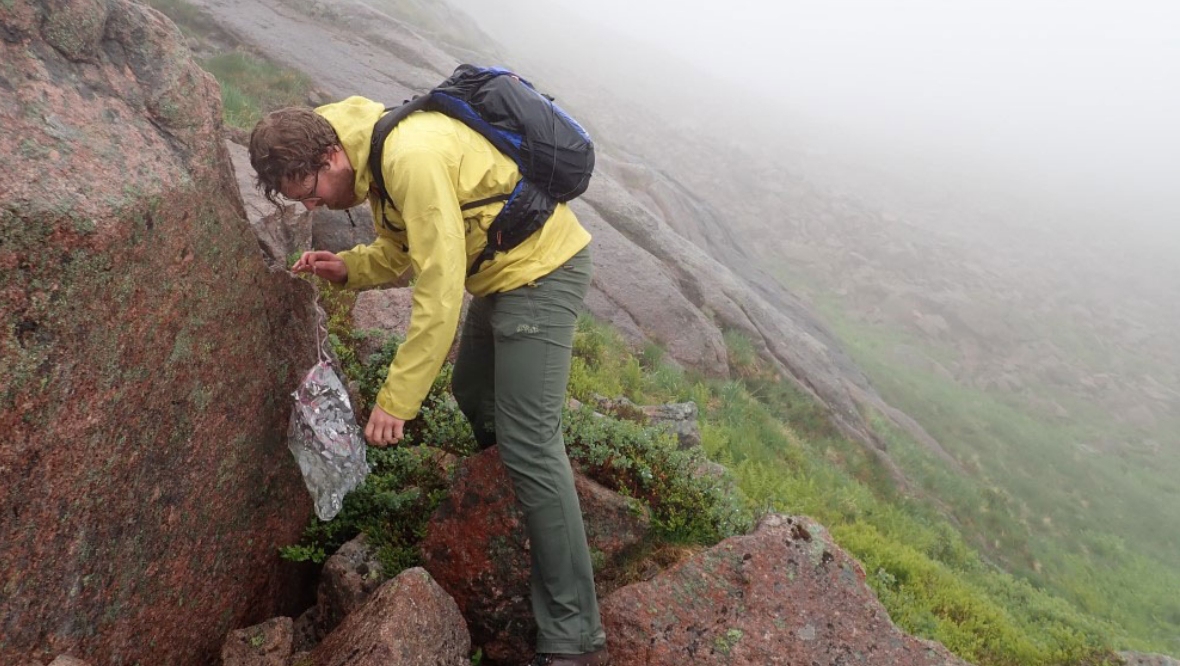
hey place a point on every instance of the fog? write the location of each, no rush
(1075, 100)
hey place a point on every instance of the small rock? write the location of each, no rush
(348, 578)
(334, 231)
(679, 418)
(408, 621)
(266, 644)
(387, 312)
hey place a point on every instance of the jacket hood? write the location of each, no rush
(353, 119)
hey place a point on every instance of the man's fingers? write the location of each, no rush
(398, 428)
(371, 433)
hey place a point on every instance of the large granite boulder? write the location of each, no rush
(337, 230)
(477, 550)
(148, 352)
(785, 594)
(349, 577)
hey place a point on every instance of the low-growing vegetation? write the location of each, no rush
(407, 482)
(783, 458)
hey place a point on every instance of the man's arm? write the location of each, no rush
(380, 262)
(422, 180)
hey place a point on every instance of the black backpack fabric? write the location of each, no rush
(554, 154)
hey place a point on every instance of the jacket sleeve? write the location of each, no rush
(380, 262)
(424, 183)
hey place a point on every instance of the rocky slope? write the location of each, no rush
(651, 280)
(783, 594)
(147, 351)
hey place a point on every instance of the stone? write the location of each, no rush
(381, 313)
(332, 230)
(477, 550)
(408, 621)
(64, 660)
(349, 577)
(678, 418)
(75, 27)
(266, 644)
(148, 356)
(1144, 659)
(785, 594)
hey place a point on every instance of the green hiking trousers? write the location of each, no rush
(510, 380)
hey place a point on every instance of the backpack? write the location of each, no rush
(554, 154)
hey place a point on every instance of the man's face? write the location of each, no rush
(331, 186)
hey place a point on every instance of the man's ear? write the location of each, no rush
(336, 155)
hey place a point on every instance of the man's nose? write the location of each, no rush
(311, 205)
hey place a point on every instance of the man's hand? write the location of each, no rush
(324, 264)
(383, 429)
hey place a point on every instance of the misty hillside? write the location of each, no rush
(1026, 323)
(933, 396)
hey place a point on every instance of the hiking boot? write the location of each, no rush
(596, 658)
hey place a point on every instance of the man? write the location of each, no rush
(514, 354)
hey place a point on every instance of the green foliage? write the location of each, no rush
(252, 87)
(930, 578)
(928, 598)
(644, 463)
(407, 482)
(743, 358)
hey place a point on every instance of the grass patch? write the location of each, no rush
(252, 87)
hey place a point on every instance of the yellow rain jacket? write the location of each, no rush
(432, 165)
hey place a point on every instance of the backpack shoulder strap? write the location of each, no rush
(381, 131)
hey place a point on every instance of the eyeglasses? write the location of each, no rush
(311, 199)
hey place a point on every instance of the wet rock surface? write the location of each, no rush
(282, 232)
(408, 621)
(349, 577)
(785, 594)
(266, 644)
(143, 466)
(477, 550)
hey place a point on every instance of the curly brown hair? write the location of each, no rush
(289, 144)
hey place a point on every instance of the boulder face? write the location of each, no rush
(785, 594)
(148, 352)
(476, 548)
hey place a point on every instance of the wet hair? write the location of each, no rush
(289, 145)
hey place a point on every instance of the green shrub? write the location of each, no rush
(642, 462)
(406, 482)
